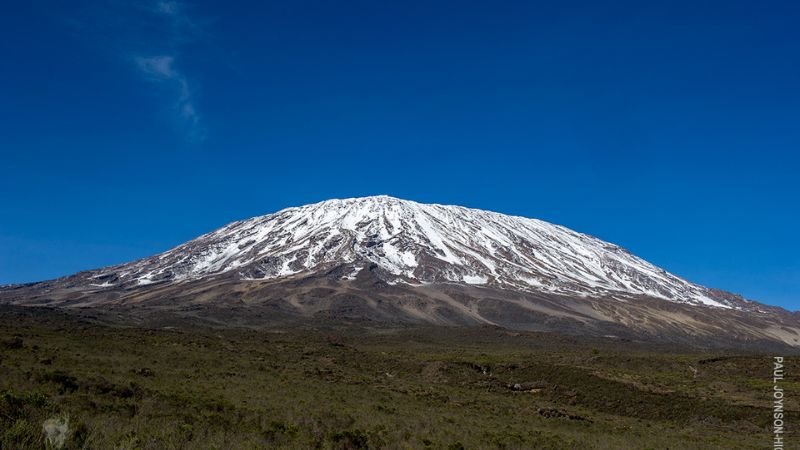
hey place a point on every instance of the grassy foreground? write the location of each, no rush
(353, 387)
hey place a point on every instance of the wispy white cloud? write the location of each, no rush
(182, 27)
(162, 68)
(171, 7)
(154, 38)
(159, 68)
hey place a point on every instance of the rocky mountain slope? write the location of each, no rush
(425, 263)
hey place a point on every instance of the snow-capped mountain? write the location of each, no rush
(417, 244)
(386, 260)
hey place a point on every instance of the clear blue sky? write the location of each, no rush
(670, 128)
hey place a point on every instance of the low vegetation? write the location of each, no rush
(71, 383)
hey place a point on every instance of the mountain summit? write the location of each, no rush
(414, 243)
(385, 258)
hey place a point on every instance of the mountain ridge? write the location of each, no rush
(392, 260)
(411, 240)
